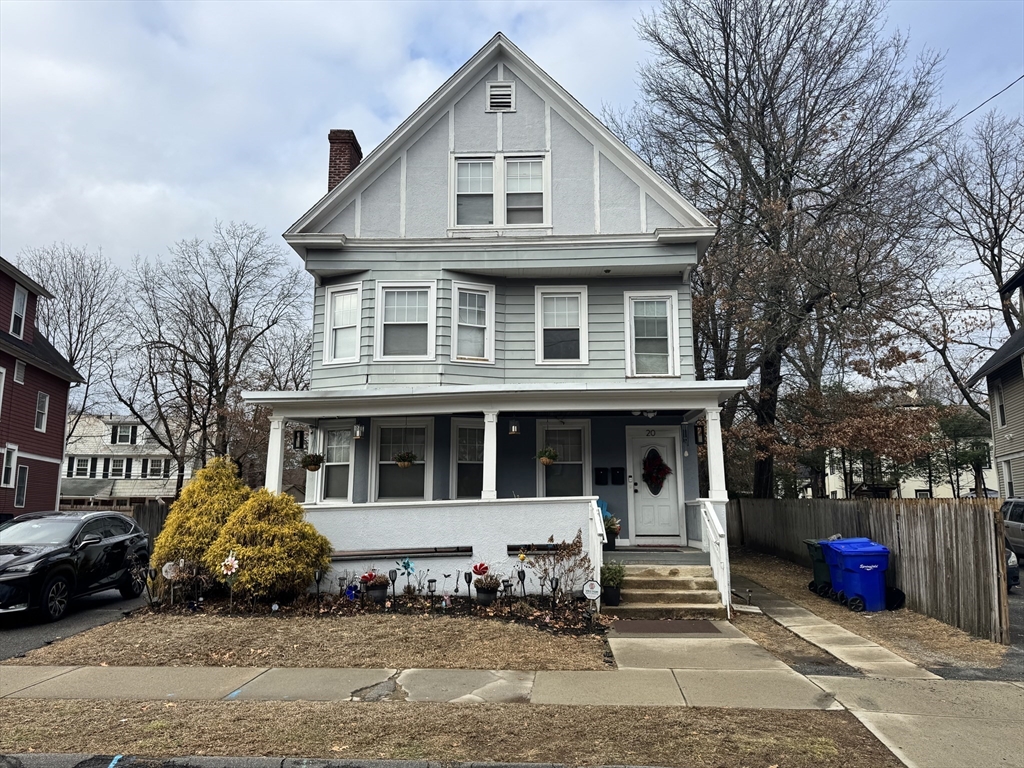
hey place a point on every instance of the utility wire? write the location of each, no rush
(986, 101)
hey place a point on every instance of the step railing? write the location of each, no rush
(715, 543)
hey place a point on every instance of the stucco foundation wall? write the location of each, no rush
(488, 527)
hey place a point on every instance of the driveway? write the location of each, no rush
(20, 632)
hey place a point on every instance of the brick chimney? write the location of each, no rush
(345, 156)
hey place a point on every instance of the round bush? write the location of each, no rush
(200, 512)
(278, 552)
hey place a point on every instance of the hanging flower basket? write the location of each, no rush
(547, 456)
(655, 471)
(312, 462)
(405, 459)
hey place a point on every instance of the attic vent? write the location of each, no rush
(501, 97)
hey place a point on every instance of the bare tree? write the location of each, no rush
(794, 124)
(83, 317)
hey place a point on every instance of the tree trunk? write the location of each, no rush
(766, 411)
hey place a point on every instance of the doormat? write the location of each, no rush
(643, 627)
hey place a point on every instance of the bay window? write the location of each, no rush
(406, 315)
(341, 332)
(473, 338)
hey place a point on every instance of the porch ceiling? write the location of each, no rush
(643, 395)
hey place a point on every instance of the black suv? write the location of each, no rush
(46, 559)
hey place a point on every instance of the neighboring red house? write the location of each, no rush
(34, 383)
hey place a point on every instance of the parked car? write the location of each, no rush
(1012, 569)
(47, 559)
(1013, 521)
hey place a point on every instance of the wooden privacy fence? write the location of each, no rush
(151, 517)
(947, 555)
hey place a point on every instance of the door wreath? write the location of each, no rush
(655, 471)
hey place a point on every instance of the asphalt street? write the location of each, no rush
(20, 632)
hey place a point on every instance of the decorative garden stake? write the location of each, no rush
(522, 580)
(468, 576)
(408, 569)
(229, 569)
(457, 574)
(506, 585)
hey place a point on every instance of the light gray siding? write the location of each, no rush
(426, 211)
(572, 179)
(620, 200)
(658, 216)
(475, 129)
(345, 222)
(380, 212)
(523, 130)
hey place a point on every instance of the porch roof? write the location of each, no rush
(638, 395)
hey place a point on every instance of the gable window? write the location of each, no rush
(997, 405)
(501, 96)
(10, 461)
(474, 324)
(343, 314)
(42, 407)
(474, 192)
(21, 489)
(652, 333)
(524, 192)
(117, 468)
(561, 325)
(405, 321)
(468, 459)
(19, 372)
(569, 476)
(82, 467)
(122, 434)
(392, 438)
(19, 310)
(337, 463)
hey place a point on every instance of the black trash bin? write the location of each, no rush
(821, 584)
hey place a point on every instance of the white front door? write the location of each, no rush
(655, 484)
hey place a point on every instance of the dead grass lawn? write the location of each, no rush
(918, 638)
(699, 738)
(395, 641)
(784, 645)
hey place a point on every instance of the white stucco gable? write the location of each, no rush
(593, 184)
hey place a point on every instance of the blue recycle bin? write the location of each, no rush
(864, 568)
(831, 551)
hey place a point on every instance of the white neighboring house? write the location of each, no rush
(113, 461)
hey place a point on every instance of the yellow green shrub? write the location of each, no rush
(277, 550)
(200, 512)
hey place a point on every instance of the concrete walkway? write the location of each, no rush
(852, 649)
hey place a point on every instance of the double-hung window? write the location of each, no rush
(1007, 478)
(81, 467)
(42, 408)
(570, 474)
(20, 309)
(396, 474)
(3, 380)
(337, 463)
(124, 433)
(997, 405)
(500, 191)
(10, 462)
(21, 488)
(341, 342)
(156, 467)
(467, 459)
(474, 323)
(19, 371)
(652, 334)
(561, 325)
(406, 314)
(117, 467)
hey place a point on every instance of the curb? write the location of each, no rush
(53, 760)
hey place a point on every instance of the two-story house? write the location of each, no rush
(113, 461)
(499, 276)
(34, 383)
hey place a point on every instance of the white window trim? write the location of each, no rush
(20, 365)
(119, 440)
(328, 348)
(584, 424)
(999, 405)
(428, 460)
(378, 320)
(673, 332)
(1007, 473)
(538, 337)
(453, 480)
(3, 383)
(12, 451)
(18, 290)
(489, 331)
(88, 465)
(487, 96)
(124, 468)
(322, 431)
(498, 159)
(46, 411)
(17, 474)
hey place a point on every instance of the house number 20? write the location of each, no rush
(652, 433)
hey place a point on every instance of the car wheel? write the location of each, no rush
(132, 585)
(56, 597)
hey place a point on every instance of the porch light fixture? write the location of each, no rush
(650, 414)
(513, 427)
(635, 413)
(358, 430)
(699, 435)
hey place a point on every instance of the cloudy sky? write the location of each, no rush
(131, 125)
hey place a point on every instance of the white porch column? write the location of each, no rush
(490, 487)
(275, 456)
(716, 456)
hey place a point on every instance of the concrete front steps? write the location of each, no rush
(668, 592)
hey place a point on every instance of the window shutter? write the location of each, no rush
(128, 463)
(135, 434)
(113, 435)
(167, 468)
(106, 468)
(145, 468)
(92, 467)
(71, 466)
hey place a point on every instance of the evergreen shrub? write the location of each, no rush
(278, 551)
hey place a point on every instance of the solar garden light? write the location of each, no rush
(506, 584)
(554, 590)
(317, 576)
(468, 576)
(393, 575)
(431, 588)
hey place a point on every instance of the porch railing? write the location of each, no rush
(597, 537)
(715, 543)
